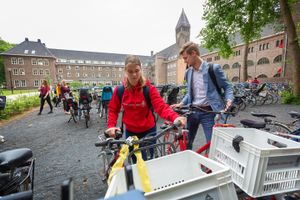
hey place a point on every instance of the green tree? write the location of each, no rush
(4, 46)
(286, 8)
(227, 18)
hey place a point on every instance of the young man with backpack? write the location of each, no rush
(204, 84)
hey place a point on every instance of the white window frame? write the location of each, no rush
(14, 61)
(36, 83)
(22, 83)
(22, 71)
(15, 71)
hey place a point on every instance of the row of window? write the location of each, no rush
(261, 61)
(61, 60)
(34, 61)
(261, 47)
(92, 68)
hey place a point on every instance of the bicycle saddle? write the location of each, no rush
(262, 114)
(253, 124)
(295, 114)
(13, 158)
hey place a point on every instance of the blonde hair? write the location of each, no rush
(132, 59)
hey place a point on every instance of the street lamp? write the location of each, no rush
(11, 82)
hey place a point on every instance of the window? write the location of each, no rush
(263, 60)
(277, 59)
(250, 63)
(15, 71)
(14, 61)
(80, 61)
(20, 61)
(26, 51)
(72, 61)
(22, 71)
(77, 74)
(226, 66)
(69, 74)
(33, 52)
(35, 72)
(107, 74)
(100, 68)
(23, 83)
(17, 83)
(60, 71)
(99, 75)
(209, 59)
(76, 67)
(236, 65)
(277, 43)
(92, 68)
(88, 62)
(40, 62)
(41, 72)
(47, 72)
(68, 67)
(260, 47)
(33, 61)
(36, 83)
(46, 62)
(120, 69)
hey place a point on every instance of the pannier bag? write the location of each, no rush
(85, 96)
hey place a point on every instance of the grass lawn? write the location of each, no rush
(7, 92)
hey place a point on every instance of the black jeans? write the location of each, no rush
(43, 102)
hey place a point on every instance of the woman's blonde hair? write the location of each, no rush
(132, 59)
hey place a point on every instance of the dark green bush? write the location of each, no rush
(18, 106)
(289, 98)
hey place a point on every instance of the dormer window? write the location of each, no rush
(26, 51)
(33, 52)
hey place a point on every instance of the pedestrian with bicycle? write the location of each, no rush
(138, 117)
(45, 96)
(203, 91)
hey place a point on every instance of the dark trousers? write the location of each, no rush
(150, 132)
(43, 102)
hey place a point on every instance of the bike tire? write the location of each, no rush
(278, 127)
(87, 119)
(106, 157)
(73, 115)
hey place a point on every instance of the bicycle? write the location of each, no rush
(110, 148)
(271, 125)
(104, 110)
(84, 105)
(17, 174)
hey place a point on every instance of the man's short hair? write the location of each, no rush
(189, 47)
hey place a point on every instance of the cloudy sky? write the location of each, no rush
(114, 26)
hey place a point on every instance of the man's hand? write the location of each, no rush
(181, 121)
(112, 131)
(228, 105)
(176, 105)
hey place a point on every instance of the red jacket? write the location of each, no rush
(137, 116)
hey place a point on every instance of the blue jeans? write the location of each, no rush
(150, 132)
(193, 121)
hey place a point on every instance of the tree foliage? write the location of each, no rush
(4, 46)
(227, 18)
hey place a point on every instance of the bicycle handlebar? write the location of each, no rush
(190, 108)
(129, 141)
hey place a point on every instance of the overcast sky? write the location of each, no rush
(113, 26)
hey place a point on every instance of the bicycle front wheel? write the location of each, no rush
(106, 158)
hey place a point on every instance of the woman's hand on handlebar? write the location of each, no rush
(112, 131)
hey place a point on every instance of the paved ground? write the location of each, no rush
(64, 150)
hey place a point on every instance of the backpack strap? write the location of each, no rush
(212, 75)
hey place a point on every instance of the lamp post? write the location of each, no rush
(11, 82)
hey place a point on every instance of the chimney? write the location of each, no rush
(39, 40)
(26, 39)
(151, 53)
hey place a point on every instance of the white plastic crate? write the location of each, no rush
(266, 164)
(180, 176)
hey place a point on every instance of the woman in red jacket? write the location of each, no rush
(137, 116)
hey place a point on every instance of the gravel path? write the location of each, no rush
(64, 150)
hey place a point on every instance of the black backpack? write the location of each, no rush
(146, 90)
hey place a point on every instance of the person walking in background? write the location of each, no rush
(137, 115)
(107, 92)
(202, 92)
(45, 96)
(65, 93)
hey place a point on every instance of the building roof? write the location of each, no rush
(183, 21)
(29, 48)
(94, 56)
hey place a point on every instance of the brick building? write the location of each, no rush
(29, 62)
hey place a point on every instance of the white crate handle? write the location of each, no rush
(236, 142)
